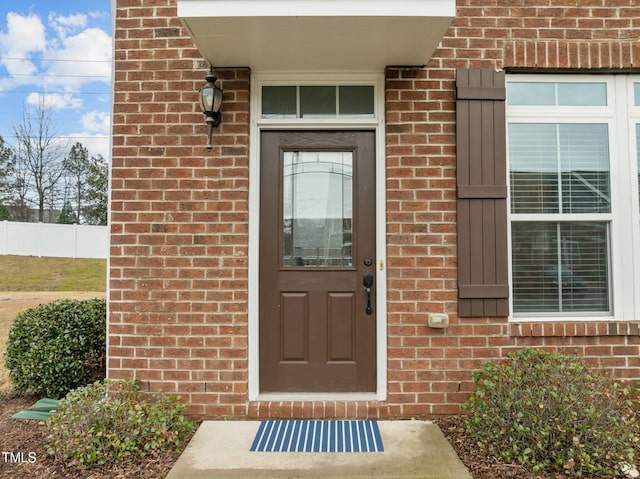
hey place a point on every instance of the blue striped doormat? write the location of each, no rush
(278, 435)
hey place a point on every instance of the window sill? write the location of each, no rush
(572, 328)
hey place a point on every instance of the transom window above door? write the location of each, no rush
(318, 101)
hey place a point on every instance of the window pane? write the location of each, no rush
(356, 100)
(559, 168)
(557, 94)
(317, 101)
(560, 267)
(523, 93)
(636, 93)
(584, 163)
(582, 94)
(317, 208)
(279, 101)
(533, 163)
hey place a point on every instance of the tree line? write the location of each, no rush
(44, 179)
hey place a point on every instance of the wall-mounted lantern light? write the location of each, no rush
(210, 97)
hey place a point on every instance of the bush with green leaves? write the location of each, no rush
(112, 422)
(550, 411)
(58, 346)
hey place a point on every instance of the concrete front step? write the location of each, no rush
(412, 449)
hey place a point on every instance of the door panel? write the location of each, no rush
(317, 242)
(294, 326)
(341, 327)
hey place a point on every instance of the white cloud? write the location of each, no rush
(99, 14)
(55, 101)
(96, 126)
(25, 35)
(64, 25)
(95, 144)
(73, 54)
(89, 59)
(96, 121)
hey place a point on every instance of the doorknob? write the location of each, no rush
(367, 280)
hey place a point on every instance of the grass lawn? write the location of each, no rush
(30, 273)
(26, 282)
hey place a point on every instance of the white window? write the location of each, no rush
(573, 184)
(318, 101)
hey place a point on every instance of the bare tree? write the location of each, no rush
(22, 179)
(40, 151)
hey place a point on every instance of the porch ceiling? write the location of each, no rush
(353, 35)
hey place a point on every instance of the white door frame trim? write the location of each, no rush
(257, 124)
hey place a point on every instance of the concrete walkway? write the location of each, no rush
(412, 449)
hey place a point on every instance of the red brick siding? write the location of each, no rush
(179, 220)
(430, 370)
(178, 270)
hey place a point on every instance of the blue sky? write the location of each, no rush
(62, 50)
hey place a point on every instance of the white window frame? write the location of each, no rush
(634, 239)
(258, 124)
(624, 219)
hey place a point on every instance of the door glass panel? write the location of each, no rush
(317, 208)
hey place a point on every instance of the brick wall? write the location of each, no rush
(430, 370)
(178, 270)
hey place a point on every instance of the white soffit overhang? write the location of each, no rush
(279, 35)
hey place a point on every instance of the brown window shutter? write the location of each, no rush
(483, 286)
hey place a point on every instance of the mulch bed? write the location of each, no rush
(23, 453)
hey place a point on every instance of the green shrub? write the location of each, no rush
(553, 411)
(112, 421)
(56, 347)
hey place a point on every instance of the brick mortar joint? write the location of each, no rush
(574, 329)
(509, 45)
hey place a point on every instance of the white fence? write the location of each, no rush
(48, 239)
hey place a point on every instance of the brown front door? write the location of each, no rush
(317, 248)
